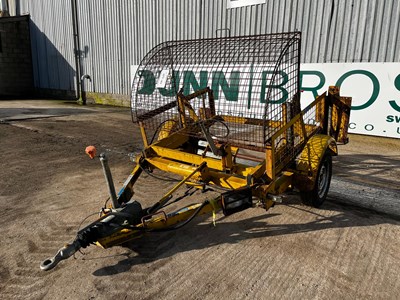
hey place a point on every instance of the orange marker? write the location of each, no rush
(91, 151)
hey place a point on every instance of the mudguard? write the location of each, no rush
(308, 162)
(167, 128)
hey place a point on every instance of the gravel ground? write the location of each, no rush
(348, 249)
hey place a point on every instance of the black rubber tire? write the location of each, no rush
(317, 195)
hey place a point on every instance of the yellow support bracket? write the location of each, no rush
(166, 197)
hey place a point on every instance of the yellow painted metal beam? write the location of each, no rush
(178, 168)
(158, 221)
(206, 175)
(188, 157)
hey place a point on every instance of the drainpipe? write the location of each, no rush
(77, 47)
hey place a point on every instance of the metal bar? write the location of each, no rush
(209, 175)
(154, 112)
(144, 135)
(166, 197)
(210, 140)
(125, 194)
(187, 157)
(109, 180)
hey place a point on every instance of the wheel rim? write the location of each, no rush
(323, 180)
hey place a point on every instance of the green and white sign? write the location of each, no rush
(240, 89)
(374, 87)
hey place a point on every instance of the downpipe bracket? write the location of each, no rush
(83, 89)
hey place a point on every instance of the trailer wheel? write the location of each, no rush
(318, 194)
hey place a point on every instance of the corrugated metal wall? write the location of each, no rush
(52, 42)
(117, 34)
(3, 5)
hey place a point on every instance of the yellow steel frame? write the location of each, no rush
(198, 170)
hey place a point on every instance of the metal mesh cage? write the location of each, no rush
(252, 78)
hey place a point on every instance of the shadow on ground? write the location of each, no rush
(156, 246)
(18, 114)
(369, 168)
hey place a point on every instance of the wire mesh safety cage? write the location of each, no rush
(254, 82)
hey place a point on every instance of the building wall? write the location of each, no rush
(16, 77)
(117, 34)
(52, 44)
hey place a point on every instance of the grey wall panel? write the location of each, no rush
(52, 44)
(117, 34)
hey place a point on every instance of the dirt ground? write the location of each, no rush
(348, 249)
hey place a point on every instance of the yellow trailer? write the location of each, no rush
(225, 115)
